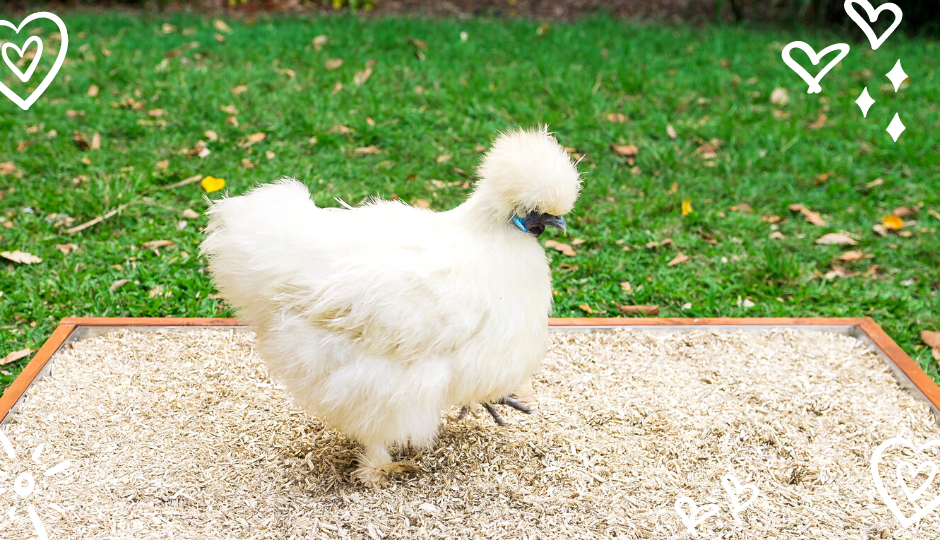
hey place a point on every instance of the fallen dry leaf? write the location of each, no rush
(625, 286)
(229, 109)
(20, 257)
(14, 356)
(211, 183)
(563, 248)
(7, 167)
(654, 245)
(163, 164)
(892, 222)
(836, 238)
(931, 338)
(686, 207)
(269, 154)
(931, 211)
(838, 271)
(156, 113)
(86, 160)
(586, 308)
(240, 89)
(362, 76)
(617, 118)
(706, 151)
(777, 235)
(639, 310)
(367, 150)
(319, 42)
(117, 284)
(333, 63)
(96, 141)
(339, 128)
(422, 203)
(66, 248)
(780, 97)
(190, 214)
(851, 256)
(818, 123)
(92, 91)
(905, 211)
(81, 142)
(880, 229)
(443, 158)
(156, 291)
(773, 219)
(211, 135)
(678, 259)
(220, 25)
(252, 139)
(671, 132)
(875, 183)
(627, 150)
(812, 217)
(247, 163)
(156, 244)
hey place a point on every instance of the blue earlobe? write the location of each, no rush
(517, 221)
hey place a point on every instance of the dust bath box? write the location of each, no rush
(175, 430)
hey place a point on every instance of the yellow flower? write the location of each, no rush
(686, 207)
(892, 222)
(211, 183)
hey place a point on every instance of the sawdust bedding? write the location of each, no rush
(183, 435)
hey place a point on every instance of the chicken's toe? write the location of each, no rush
(507, 400)
(376, 466)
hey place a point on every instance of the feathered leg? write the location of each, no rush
(376, 466)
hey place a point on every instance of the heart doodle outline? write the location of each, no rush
(815, 58)
(736, 506)
(912, 496)
(879, 485)
(873, 16)
(25, 104)
(22, 52)
(690, 520)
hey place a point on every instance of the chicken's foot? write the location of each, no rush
(506, 400)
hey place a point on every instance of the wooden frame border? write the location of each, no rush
(907, 371)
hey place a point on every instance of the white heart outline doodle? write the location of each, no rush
(879, 485)
(690, 521)
(902, 483)
(813, 82)
(736, 506)
(873, 16)
(22, 52)
(25, 104)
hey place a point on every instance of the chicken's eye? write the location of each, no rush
(519, 223)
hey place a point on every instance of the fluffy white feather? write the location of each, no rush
(378, 318)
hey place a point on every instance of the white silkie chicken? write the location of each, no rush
(377, 318)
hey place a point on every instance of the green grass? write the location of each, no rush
(504, 75)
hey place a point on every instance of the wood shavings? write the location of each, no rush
(183, 435)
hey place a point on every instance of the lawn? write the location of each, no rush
(440, 89)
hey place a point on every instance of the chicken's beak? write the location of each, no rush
(535, 223)
(556, 221)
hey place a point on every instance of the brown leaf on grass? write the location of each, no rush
(117, 284)
(654, 245)
(319, 42)
(837, 239)
(625, 286)
(678, 259)
(362, 76)
(14, 356)
(269, 154)
(822, 178)
(812, 217)
(81, 142)
(905, 211)
(229, 109)
(777, 235)
(252, 139)
(773, 219)
(443, 158)
(211, 135)
(617, 118)
(220, 25)
(20, 257)
(880, 229)
(851, 256)
(586, 308)
(96, 141)
(422, 203)
(339, 128)
(190, 214)
(418, 43)
(638, 310)
(247, 163)
(818, 123)
(86, 160)
(563, 248)
(199, 149)
(780, 97)
(367, 150)
(333, 63)
(671, 132)
(66, 248)
(931, 338)
(626, 150)
(92, 91)
(163, 164)
(75, 114)
(240, 89)
(156, 291)
(7, 167)
(706, 151)
(936, 354)
(838, 271)
(156, 113)
(157, 244)
(931, 211)
(875, 183)
(892, 222)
